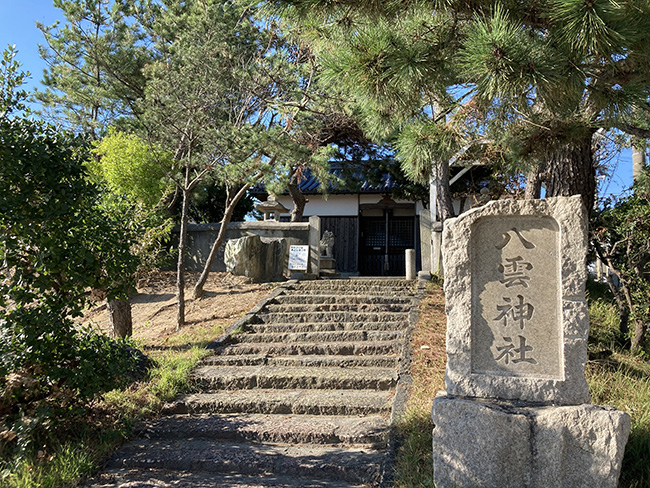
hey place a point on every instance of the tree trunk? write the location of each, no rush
(570, 171)
(182, 248)
(534, 180)
(623, 313)
(638, 162)
(230, 208)
(299, 200)
(639, 326)
(639, 334)
(444, 192)
(444, 204)
(119, 316)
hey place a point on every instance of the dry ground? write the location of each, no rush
(429, 349)
(227, 297)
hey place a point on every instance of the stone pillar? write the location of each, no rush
(314, 245)
(516, 409)
(425, 241)
(436, 249)
(410, 264)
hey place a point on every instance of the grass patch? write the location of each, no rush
(621, 380)
(169, 377)
(414, 461)
(92, 436)
(414, 466)
(66, 465)
(617, 378)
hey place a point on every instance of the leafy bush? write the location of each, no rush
(55, 246)
(130, 167)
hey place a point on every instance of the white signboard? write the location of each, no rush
(298, 256)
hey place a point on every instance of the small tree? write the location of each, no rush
(620, 237)
(134, 177)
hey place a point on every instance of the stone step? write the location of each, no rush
(302, 360)
(358, 282)
(334, 336)
(331, 463)
(337, 307)
(369, 431)
(326, 327)
(278, 377)
(301, 299)
(301, 402)
(314, 348)
(162, 478)
(272, 317)
(396, 285)
(363, 290)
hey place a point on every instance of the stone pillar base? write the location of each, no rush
(328, 267)
(493, 444)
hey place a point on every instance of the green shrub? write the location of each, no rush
(55, 246)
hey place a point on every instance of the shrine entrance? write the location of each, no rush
(386, 232)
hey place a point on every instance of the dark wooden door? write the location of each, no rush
(384, 241)
(345, 232)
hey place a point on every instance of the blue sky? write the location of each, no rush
(18, 26)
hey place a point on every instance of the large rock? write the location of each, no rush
(517, 320)
(258, 258)
(491, 444)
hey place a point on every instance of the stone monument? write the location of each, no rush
(259, 258)
(516, 409)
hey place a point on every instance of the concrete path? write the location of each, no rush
(300, 393)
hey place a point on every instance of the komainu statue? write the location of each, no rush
(327, 243)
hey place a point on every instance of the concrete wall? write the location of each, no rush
(202, 236)
(336, 205)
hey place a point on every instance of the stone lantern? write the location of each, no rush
(271, 209)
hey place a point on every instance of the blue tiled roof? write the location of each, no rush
(310, 185)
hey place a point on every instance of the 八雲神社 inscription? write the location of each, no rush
(517, 328)
(517, 321)
(515, 277)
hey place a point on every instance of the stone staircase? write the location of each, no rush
(300, 392)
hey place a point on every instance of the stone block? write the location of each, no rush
(489, 444)
(514, 286)
(476, 445)
(579, 446)
(258, 258)
(327, 263)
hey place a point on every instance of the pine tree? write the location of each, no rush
(206, 84)
(531, 81)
